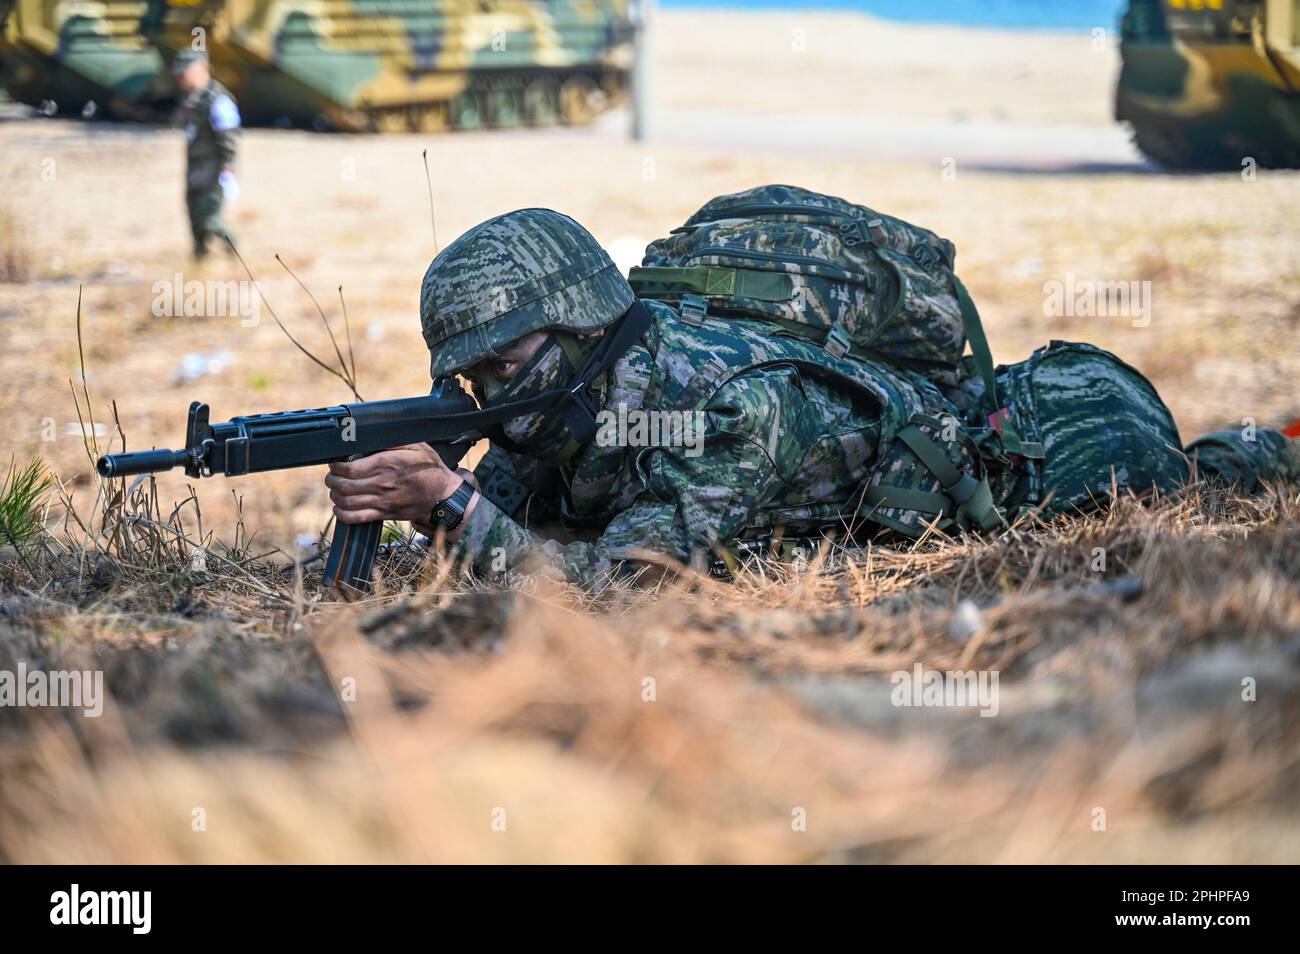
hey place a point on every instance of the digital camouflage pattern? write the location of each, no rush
(1209, 84)
(210, 119)
(1100, 423)
(784, 443)
(797, 441)
(1094, 414)
(843, 274)
(517, 273)
(793, 439)
(354, 65)
(1247, 456)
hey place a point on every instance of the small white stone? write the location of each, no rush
(967, 620)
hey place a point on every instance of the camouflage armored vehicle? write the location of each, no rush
(356, 65)
(81, 57)
(1211, 83)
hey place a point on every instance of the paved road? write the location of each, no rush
(973, 144)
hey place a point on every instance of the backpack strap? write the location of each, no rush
(966, 499)
(979, 346)
(711, 280)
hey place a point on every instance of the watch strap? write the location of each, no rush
(449, 512)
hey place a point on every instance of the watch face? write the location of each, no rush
(445, 517)
(450, 512)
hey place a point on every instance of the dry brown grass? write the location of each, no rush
(15, 249)
(771, 697)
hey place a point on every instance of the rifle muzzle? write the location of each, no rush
(141, 462)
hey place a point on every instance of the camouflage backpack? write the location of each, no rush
(1099, 425)
(821, 268)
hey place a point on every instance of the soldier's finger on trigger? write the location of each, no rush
(362, 467)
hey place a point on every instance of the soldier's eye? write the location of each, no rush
(504, 369)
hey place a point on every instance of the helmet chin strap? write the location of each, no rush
(575, 348)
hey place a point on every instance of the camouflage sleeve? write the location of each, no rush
(756, 430)
(1247, 456)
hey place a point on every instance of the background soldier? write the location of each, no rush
(210, 118)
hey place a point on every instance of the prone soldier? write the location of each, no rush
(771, 435)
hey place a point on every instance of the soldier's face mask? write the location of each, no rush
(553, 436)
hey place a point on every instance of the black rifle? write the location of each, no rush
(444, 419)
(448, 420)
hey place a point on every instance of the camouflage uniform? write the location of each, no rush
(1248, 457)
(783, 442)
(792, 439)
(211, 121)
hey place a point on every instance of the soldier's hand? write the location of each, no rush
(229, 185)
(399, 484)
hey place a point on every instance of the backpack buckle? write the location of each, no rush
(858, 232)
(693, 308)
(837, 341)
(926, 257)
(851, 232)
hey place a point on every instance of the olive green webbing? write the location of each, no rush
(712, 280)
(905, 498)
(979, 347)
(968, 499)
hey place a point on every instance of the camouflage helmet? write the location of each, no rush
(511, 275)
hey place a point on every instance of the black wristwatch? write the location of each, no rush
(450, 512)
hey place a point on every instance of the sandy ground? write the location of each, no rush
(852, 67)
(99, 206)
(863, 88)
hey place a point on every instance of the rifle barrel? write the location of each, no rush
(140, 462)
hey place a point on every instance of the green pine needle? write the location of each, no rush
(21, 503)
